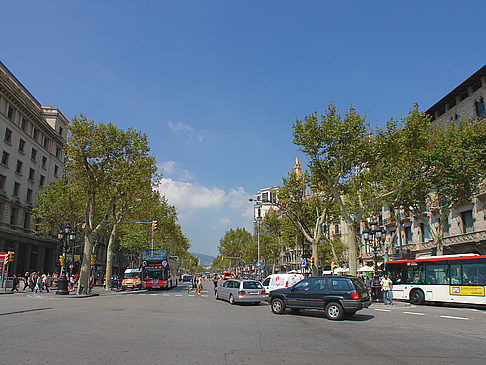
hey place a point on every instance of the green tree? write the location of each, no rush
(102, 159)
(347, 162)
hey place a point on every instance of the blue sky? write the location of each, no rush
(216, 85)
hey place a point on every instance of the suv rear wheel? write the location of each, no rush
(278, 306)
(334, 311)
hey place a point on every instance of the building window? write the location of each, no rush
(13, 215)
(16, 189)
(58, 152)
(19, 167)
(265, 197)
(446, 227)
(336, 229)
(408, 235)
(42, 180)
(35, 133)
(23, 123)
(21, 145)
(45, 142)
(8, 136)
(11, 112)
(425, 232)
(31, 174)
(33, 154)
(467, 221)
(44, 162)
(27, 220)
(1, 211)
(56, 170)
(29, 195)
(480, 110)
(3, 179)
(5, 158)
(60, 131)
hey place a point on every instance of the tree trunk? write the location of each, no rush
(315, 255)
(110, 250)
(352, 250)
(83, 283)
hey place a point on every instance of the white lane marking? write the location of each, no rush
(452, 317)
(178, 295)
(166, 295)
(203, 295)
(381, 310)
(191, 295)
(416, 313)
(153, 294)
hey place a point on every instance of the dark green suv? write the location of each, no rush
(336, 295)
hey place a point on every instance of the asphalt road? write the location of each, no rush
(174, 327)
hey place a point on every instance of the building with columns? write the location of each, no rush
(31, 155)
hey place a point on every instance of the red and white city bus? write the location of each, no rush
(448, 278)
(158, 270)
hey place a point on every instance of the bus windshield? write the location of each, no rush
(131, 275)
(155, 274)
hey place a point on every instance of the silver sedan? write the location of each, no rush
(236, 290)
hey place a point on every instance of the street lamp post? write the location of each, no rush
(65, 235)
(374, 235)
(257, 219)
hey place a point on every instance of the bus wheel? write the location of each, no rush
(417, 297)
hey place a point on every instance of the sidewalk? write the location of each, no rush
(97, 291)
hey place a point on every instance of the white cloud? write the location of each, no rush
(186, 131)
(224, 222)
(172, 169)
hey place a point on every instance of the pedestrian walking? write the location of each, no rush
(215, 282)
(26, 280)
(38, 283)
(386, 285)
(194, 283)
(199, 284)
(44, 283)
(15, 282)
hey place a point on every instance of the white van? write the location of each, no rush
(277, 281)
(132, 279)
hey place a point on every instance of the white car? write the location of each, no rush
(278, 281)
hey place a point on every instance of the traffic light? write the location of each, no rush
(9, 257)
(333, 265)
(155, 225)
(222, 258)
(311, 263)
(5, 260)
(61, 259)
(93, 259)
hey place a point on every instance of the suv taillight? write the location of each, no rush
(355, 295)
(242, 292)
(263, 292)
(286, 284)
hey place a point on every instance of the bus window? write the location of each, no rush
(470, 274)
(482, 274)
(455, 274)
(436, 274)
(395, 273)
(416, 274)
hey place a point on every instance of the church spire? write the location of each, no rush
(297, 169)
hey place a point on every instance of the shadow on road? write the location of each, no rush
(320, 314)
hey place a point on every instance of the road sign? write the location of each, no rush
(302, 262)
(259, 265)
(2, 255)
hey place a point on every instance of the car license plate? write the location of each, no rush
(253, 293)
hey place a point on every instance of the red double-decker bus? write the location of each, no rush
(158, 270)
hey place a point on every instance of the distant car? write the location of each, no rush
(336, 295)
(187, 277)
(239, 291)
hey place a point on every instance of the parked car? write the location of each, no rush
(336, 295)
(278, 281)
(239, 290)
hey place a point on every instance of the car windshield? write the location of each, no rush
(132, 275)
(252, 285)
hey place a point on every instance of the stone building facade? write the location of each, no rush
(31, 155)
